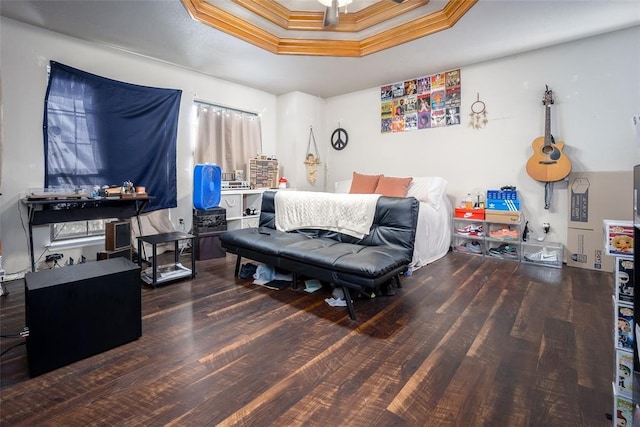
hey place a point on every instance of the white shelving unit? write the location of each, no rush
(486, 240)
(236, 203)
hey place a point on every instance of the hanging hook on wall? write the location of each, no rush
(312, 159)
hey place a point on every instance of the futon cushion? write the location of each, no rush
(371, 261)
(251, 238)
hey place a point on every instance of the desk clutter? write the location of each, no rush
(125, 191)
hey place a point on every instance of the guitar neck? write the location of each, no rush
(547, 126)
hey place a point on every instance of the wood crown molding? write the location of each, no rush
(220, 19)
(375, 14)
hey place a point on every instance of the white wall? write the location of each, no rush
(596, 86)
(297, 113)
(25, 54)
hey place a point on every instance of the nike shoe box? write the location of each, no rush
(594, 197)
(469, 213)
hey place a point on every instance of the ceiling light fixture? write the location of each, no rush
(332, 11)
(341, 3)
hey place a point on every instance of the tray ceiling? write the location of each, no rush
(164, 30)
(367, 28)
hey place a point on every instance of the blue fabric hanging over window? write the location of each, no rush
(99, 131)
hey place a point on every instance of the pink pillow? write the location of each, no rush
(393, 187)
(364, 184)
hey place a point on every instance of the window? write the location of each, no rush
(77, 229)
(226, 137)
(99, 131)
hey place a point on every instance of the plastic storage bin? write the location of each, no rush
(549, 254)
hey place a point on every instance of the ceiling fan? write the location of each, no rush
(332, 10)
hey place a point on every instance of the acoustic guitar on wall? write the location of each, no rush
(548, 163)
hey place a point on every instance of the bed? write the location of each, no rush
(433, 233)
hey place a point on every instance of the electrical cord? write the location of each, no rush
(12, 347)
(26, 234)
(22, 334)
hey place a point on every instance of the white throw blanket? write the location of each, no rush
(350, 214)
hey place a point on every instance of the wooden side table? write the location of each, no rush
(170, 272)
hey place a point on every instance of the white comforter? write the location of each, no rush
(351, 214)
(433, 231)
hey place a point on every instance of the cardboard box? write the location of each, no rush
(585, 250)
(618, 238)
(469, 213)
(594, 196)
(507, 217)
(503, 205)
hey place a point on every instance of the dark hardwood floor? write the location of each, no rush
(464, 342)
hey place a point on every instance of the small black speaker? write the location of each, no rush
(80, 310)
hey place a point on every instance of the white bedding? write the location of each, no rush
(351, 214)
(433, 231)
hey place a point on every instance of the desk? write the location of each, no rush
(172, 272)
(51, 211)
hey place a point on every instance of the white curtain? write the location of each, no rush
(155, 222)
(226, 138)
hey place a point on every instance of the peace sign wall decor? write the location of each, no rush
(339, 139)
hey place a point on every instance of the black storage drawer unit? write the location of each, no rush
(80, 310)
(209, 246)
(207, 221)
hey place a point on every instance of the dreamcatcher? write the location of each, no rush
(312, 160)
(478, 114)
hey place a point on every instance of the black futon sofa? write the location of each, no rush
(361, 265)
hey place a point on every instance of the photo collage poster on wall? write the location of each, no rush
(421, 103)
